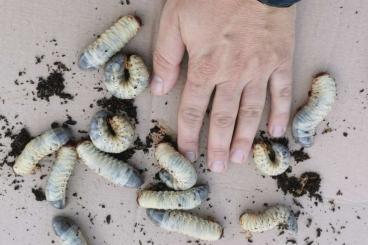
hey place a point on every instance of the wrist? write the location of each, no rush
(279, 3)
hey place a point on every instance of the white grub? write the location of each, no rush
(186, 223)
(38, 148)
(178, 172)
(111, 133)
(275, 216)
(68, 232)
(116, 171)
(109, 42)
(263, 162)
(62, 169)
(317, 108)
(185, 200)
(126, 76)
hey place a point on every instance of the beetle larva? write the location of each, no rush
(178, 172)
(268, 166)
(112, 169)
(319, 105)
(66, 159)
(278, 215)
(111, 133)
(39, 147)
(185, 223)
(68, 231)
(187, 199)
(118, 68)
(109, 42)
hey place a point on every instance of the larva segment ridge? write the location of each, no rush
(116, 71)
(111, 133)
(266, 165)
(39, 147)
(61, 171)
(186, 223)
(185, 200)
(270, 218)
(314, 112)
(178, 172)
(68, 232)
(108, 167)
(109, 42)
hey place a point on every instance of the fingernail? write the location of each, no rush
(191, 156)
(237, 156)
(218, 166)
(277, 131)
(157, 85)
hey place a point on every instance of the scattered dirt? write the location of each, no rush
(116, 105)
(159, 134)
(20, 140)
(39, 194)
(108, 219)
(300, 155)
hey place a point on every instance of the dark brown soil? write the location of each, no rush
(20, 140)
(300, 155)
(158, 134)
(39, 194)
(53, 85)
(116, 105)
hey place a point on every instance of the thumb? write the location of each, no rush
(168, 53)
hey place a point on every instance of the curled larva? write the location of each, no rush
(319, 105)
(185, 223)
(68, 232)
(126, 76)
(109, 42)
(39, 147)
(187, 199)
(268, 166)
(61, 171)
(111, 133)
(272, 217)
(178, 172)
(112, 169)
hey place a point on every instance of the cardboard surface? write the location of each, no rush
(331, 36)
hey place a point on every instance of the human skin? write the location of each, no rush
(238, 49)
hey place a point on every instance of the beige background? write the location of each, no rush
(332, 35)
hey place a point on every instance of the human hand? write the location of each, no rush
(237, 48)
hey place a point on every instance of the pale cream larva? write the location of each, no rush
(178, 172)
(108, 167)
(318, 106)
(109, 42)
(126, 76)
(186, 223)
(185, 200)
(266, 165)
(276, 216)
(39, 147)
(111, 133)
(68, 231)
(62, 169)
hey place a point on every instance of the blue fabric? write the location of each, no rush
(279, 3)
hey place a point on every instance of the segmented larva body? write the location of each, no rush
(115, 76)
(61, 171)
(318, 106)
(68, 232)
(111, 133)
(185, 200)
(109, 42)
(39, 147)
(108, 167)
(185, 223)
(178, 172)
(272, 217)
(261, 157)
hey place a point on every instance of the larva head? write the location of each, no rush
(202, 191)
(156, 216)
(59, 204)
(94, 129)
(167, 178)
(85, 61)
(62, 135)
(304, 138)
(115, 68)
(292, 223)
(135, 180)
(61, 225)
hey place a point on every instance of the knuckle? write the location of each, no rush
(285, 92)
(160, 61)
(196, 87)
(205, 68)
(250, 111)
(222, 120)
(191, 116)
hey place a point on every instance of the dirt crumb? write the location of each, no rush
(300, 155)
(39, 194)
(116, 105)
